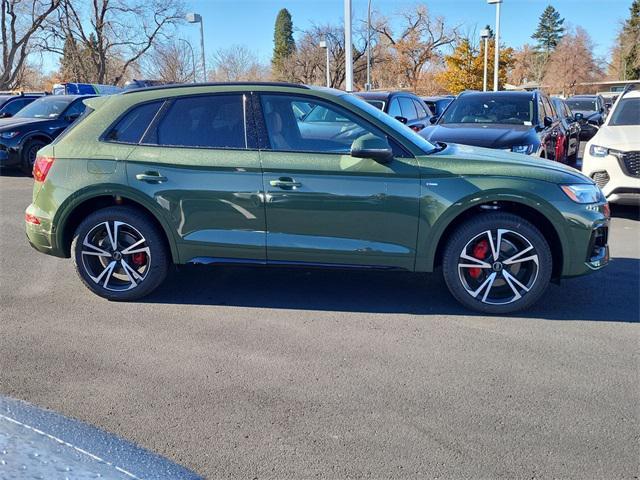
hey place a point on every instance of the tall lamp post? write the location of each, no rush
(485, 34)
(496, 62)
(348, 49)
(367, 87)
(325, 44)
(197, 18)
(193, 59)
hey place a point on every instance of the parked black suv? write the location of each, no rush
(571, 128)
(590, 111)
(523, 122)
(403, 106)
(12, 104)
(35, 126)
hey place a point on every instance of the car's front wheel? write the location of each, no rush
(497, 263)
(120, 254)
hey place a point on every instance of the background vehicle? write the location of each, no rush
(12, 104)
(590, 111)
(437, 104)
(133, 84)
(84, 89)
(403, 106)
(571, 128)
(222, 173)
(523, 122)
(35, 126)
(612, 156)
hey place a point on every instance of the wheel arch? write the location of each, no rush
(73, 214)
(553, 235)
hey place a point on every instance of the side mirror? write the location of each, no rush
(433, 120)
(5, 115)
(402, 120)
(548, 121)
(372, 146)
(579, 117)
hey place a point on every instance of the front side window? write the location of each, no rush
(627, 112)
(326, 128)
(408, 108)
(45, 107)
(394, 108)
(211, 121)
(422, 111)
(75, 110)
(134, 124)
(490, 108)
(14, 106)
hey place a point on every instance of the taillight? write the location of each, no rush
(30, 218)
(41, 168)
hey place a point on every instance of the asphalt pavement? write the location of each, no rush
(285, 373)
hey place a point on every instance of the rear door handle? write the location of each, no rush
(151, 177)
(285, 183)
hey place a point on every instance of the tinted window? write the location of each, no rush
(45, 107)
(132, 126)
(75, 110)
(394, 108)
(585, 105)
(548, 108)
(13, 107)
(408, 108)
(214, 121)
(627, 112)
(422, 111)
(490, 108)
(327, 128)
(376, 103)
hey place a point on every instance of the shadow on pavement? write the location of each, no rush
(597, 297)
(11, 172)
(625, 211)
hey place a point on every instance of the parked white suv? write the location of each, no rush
(612, 156)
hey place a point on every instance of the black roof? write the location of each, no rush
(214, 84)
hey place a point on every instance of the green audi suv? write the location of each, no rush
(282, 174)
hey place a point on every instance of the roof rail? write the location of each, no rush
(215, 84)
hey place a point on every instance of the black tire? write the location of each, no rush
(459, 277)
(29, 152)
(122, 284)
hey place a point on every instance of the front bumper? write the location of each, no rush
(616, 184)
(9, 154)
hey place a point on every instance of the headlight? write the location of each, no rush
(8, 134)
(526, 149)
(583, 193)
(598, 151)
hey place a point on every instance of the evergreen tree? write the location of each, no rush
(283, 43)
(550, 30)
(630, 38)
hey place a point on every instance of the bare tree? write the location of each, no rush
(416, 44)
(173, 62)
(237, 63)
(117, 33)
(21, 22)
(572, 63)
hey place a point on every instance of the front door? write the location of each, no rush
(324, 206)
(197, 162)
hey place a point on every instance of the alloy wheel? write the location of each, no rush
(116, 256)
(498, 266)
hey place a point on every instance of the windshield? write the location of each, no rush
(45, 107)
(391, 122)
(584, 105)
(627, 112)
(490, 108)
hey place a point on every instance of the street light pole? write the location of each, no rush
(496, 62)
(325, 44)
(197, 18)
(367, 87)
(348, 49)
(485, 34)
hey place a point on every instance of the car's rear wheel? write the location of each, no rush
(120, 254)
(29, 153)
(497, 263)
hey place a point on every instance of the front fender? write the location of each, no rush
(537, 195)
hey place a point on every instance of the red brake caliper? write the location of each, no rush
(479, 252)
(138, 258)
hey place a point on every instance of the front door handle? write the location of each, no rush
(286, 183)
(151, 177)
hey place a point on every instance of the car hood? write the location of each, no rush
(466, 160)
(489, 136)
(13, 122)
(624, 137)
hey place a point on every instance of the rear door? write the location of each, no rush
(198, 160)
(324, 206)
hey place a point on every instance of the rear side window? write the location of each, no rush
(422, 111)
(132, 126)
(213, 121)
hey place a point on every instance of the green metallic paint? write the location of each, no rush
(218, 203)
